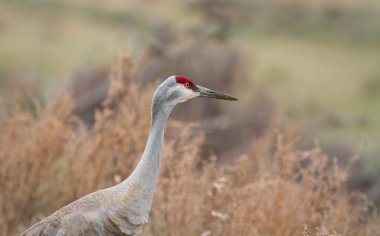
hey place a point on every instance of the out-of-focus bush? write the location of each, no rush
(371, 88)
(88, 86)
(52, 158)
(214, 65)
(221, 16)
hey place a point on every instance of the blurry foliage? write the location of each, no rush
(88, 11)
(204, 62)
(221, 15)
(339, 18)
(94, 133)
(372, 87)
(345, 19)
(271, 189)
(88, 86)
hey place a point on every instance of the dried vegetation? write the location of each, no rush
(51, 158)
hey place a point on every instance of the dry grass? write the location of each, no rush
(51, 158)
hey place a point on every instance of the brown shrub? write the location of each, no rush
(214, 65)
(52, 158)
(272, 190)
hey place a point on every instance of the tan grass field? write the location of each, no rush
(303, 71)
(51, 158)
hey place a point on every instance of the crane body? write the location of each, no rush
(124, 208)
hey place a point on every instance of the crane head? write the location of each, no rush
(179, 88)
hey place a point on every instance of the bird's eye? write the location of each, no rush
(187, 85)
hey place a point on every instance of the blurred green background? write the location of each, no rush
(319, 60)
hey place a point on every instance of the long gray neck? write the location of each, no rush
(146, 172)
(138, 189)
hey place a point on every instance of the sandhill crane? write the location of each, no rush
(124, 208)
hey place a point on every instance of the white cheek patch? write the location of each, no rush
(178, 94)
(187, 95)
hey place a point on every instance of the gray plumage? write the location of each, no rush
(124, 208)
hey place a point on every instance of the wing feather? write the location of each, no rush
(85, 216)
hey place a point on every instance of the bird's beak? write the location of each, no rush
(208, 93)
